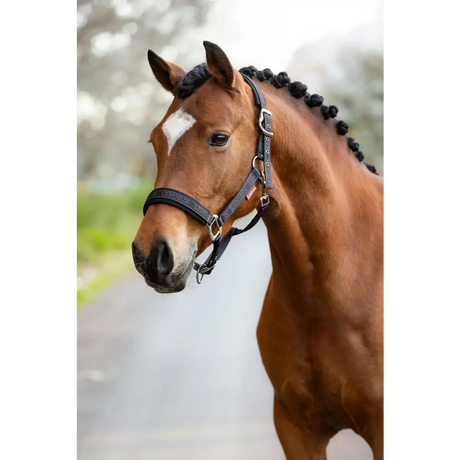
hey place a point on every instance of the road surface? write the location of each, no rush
(179, 377)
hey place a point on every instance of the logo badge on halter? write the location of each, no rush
(253, 189)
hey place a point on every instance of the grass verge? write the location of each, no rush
(106, 226)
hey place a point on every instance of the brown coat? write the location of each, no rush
(321, 328)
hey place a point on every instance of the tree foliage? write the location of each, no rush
(118, 101)
(359, 95)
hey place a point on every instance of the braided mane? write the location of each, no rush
(200, 74)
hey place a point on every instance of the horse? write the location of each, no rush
(320, 331)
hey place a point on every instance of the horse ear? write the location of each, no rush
(167, 73)
(219, 65)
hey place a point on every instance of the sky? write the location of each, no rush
(263, 33)
(266, 33)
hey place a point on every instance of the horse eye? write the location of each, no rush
(218, 140)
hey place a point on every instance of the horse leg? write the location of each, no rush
(374, 436)
(297, 444)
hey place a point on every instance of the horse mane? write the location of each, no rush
(200, 75)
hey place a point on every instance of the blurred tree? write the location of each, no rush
(117, 99)
(358, 92)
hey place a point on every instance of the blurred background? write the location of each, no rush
(166, 377)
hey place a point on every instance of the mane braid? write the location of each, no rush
(192, 80)
(200, 75)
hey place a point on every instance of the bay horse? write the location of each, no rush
(320, 332)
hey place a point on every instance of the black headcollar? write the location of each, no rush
(196, 210)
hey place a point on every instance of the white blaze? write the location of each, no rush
(176, 125)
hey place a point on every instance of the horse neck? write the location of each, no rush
(322, 199)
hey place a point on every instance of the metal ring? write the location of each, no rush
(201, 271)
(262, 173)
(199, 276)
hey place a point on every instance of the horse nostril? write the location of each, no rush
(138, 257)
(162, 258)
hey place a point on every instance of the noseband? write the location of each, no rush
(196, 210)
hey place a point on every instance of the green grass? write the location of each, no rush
(106, 226)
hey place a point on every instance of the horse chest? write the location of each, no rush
(311, 394)
(308, 374)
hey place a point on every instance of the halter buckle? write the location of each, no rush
(261, 119)
(218, 234)
(264, 201)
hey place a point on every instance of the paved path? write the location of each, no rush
(179, 377)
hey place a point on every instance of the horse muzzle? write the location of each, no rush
(163, 269)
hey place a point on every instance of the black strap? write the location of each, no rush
(266, 153)
(221, 245)
(251, 180)
(195, 209)
(179, 200)
(263, 145)
(259, 98)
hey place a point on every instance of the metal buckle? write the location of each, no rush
(264, 200)
(214, 236)
(261, 119)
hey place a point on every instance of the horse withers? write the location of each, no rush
(320, 332)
